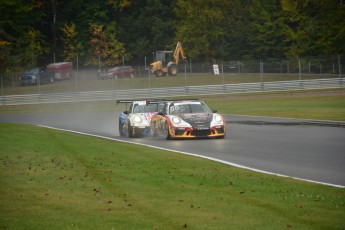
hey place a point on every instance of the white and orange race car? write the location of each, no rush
(187, 119)
(135, 121)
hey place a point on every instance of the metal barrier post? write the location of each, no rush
(2, 86)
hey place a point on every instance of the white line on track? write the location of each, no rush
(196, 155)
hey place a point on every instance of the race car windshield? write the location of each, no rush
(196, 107)
(145, 108)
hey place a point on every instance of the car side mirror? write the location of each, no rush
(126, 112)
(214, 111)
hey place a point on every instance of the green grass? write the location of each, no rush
(319, 105)
(56, 180)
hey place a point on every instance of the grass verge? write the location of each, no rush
(57, 180)
(319, 105)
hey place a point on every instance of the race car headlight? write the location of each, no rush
(137, 119)
(176, 120)
(217, 118)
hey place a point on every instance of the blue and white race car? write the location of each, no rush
(135, 121)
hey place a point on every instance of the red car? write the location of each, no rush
(117, 72)
(187, 119)
(61, 70)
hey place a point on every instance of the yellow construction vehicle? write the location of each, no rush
(167, 61)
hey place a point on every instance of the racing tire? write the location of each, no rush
(159, 73)
(130, 131)
(165, 131)
(153, 131)
(172, 70)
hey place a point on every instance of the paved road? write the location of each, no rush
(294, 148)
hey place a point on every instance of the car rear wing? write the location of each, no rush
(187, 99)
(147, 102)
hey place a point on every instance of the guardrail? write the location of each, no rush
(172, 91)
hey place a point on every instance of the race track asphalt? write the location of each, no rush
(305, 149)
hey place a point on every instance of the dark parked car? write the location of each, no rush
(36, 76)
(117, 72)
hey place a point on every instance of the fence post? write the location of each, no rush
(223, 73)
(39, 85)
(76, 75)
(148, 69)
(185, 73)
(190, 66)
(333, 69)
(299, 69)
(320, 68)
(12, 81)
(339, 66)
(2, 86)
(261, 70)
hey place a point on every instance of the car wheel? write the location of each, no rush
(172, 71)
(130, 131)
(153, 129)
(165, 131)
(51, 80)
(115, 76)
(159, 73)
(132, 75)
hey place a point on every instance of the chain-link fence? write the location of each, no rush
(85, 78)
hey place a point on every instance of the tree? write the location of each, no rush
(35, 47)
(146, 26)
(4, 53)
(71, 42)
(266, 30)
(105, 47)
(235, 26)
(209, 29)
(315, 27)
(200, 27)
(20, 40)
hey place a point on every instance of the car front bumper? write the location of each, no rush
(213, 132)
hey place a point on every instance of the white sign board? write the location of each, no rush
(215, 69)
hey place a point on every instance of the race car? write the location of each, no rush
(135, 122)
(187, 119)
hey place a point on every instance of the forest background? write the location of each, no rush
(38, 32)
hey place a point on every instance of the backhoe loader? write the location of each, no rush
(166, 62)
